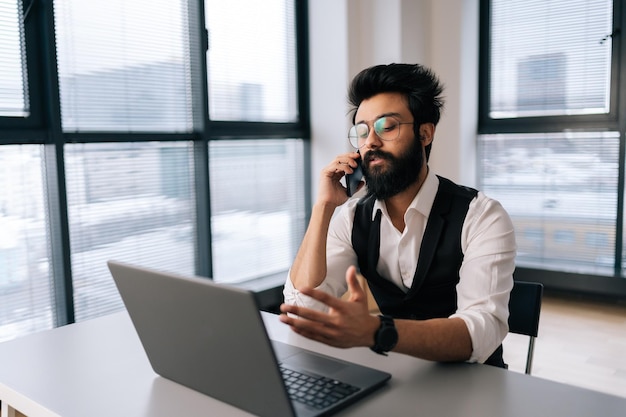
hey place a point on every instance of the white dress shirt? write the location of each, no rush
(486, 274)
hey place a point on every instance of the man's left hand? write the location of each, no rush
(348, 323)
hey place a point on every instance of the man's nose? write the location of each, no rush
(372, 141)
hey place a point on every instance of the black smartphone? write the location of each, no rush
(353, 180)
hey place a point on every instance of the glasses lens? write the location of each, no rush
(358, 134)
(386, 128)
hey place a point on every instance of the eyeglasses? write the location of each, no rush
(386, 128)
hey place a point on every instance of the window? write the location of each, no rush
(554, 181)
(549, 58)
(25, 273)
(13, 97)
(148, 218)
(252, 75)
(160, 148)
(257, 210)
(550, 136)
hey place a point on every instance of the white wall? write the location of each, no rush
(454, 46)
(329, 77)
(349, 35)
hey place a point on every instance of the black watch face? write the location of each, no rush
(388, 337)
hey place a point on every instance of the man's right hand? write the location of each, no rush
(331, 190)
(309, 265)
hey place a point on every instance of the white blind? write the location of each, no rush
(133, 202)
(13, 97)
(257, 211)
(123, 65)
(561, 192)
(26, 302)
(550, 57)
(252, 60)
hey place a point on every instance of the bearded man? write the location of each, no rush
(438, 257)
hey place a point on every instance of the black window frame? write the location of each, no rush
(543, 124)
(615, 120)
(43, 127)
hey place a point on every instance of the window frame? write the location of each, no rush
(605, 286)
(542, 124)
(43, 127)
(13, 127)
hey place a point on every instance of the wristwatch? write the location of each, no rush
(386, 336)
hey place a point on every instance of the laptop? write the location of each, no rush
(210, 337)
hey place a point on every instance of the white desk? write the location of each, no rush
(98, 368)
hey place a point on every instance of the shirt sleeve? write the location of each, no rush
(486, 275)
(339, 256)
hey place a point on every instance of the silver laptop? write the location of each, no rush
(210, 337)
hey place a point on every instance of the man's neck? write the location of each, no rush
(399, 203)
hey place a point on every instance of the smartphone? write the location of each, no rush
(353, 180)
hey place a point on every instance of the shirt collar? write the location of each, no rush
(423, 201)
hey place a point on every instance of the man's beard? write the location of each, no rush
(400, 172)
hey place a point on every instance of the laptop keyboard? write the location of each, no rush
(315, 391)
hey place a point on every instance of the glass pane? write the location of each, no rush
(132, 202)
(251, 60)
(123, 65)
(561, 192)
(257, 210)
(550, 57)
(13, 97)
(26, 299)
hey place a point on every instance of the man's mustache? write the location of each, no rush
(370, 155)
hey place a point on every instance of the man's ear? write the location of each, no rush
(427, 133)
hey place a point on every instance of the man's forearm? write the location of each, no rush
(309, 266)
(442, 340)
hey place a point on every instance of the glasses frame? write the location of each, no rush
(370, 128)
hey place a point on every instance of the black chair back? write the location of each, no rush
(524, 313)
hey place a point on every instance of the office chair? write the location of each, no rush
(524, 311)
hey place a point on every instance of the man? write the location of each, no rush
(438, 257)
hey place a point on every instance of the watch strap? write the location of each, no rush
(386, 336)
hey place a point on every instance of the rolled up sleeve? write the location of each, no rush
(339, 256)
(486, 275)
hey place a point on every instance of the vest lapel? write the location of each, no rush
(430, 241)
(373, 252)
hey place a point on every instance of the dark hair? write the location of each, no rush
(419, 85)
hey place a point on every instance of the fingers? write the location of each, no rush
(349, 159)
(312, 324)
(342, 325)
(331, 189)
(354, 287)
(323, 297)
(345, 163)
(302, 312)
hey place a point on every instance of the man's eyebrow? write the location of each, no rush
(379, 116)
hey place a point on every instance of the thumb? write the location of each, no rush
(355, 289)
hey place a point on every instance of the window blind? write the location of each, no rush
(124, 73)
(560, 190)
(257, 211)
(132, 202)
(26, 302)
(550, 57)
(124, 65)
(13, 97)
(252, 60)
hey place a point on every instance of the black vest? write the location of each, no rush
(433, 293)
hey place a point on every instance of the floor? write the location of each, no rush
(581, 343)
